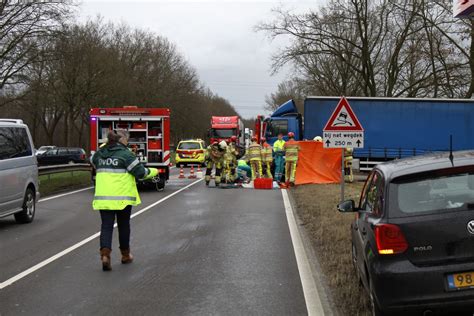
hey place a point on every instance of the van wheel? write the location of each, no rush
(29, 208)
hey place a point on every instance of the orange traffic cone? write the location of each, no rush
(192, 175)
(199, 173)
(181, 173)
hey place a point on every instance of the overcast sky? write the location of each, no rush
(217, 38)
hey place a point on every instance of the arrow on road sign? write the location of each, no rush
(328, 142)
(358, 142)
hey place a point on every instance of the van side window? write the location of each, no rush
(14, 143)
(63, 152)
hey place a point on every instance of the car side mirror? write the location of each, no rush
(347, 206)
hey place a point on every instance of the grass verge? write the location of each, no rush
(63, 181)
(329, 231)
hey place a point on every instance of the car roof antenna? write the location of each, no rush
(451, 158)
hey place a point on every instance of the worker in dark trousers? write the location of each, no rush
(117, 169)
(279, 153)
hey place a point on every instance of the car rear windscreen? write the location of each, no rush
(189, 146)
(445, 190)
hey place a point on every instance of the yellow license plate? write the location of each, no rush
(461, 280)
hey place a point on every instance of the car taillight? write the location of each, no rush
(83, 157)
(390, 239)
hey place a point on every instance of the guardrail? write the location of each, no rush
(48, 170)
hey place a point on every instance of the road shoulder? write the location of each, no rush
(326, 300)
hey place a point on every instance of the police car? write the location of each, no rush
(191, 151)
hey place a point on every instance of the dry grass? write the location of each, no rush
(330, 233)
(64, 181)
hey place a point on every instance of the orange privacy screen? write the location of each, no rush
(317, 164)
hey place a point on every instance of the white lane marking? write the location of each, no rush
(164, 199)
(311, 295)
(83, 242)
(64, 194)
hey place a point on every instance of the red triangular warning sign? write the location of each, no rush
(343, 118)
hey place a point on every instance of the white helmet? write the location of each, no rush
(318, 139)
(223, 144)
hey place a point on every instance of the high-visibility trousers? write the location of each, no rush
(210, 165)
(256, 166)
(279, 166)
(229, 172)
(268, 169)
(290, 171)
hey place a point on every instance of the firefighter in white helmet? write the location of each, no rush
(215, 157)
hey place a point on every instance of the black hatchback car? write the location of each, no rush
(413, 236)
(62, 155)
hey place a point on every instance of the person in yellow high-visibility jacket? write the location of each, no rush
(348, 164)
(116, 192)
(215, 158)
(254, 155)
(267, 157)
(279, 152)
(291, 158)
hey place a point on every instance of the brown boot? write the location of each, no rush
(126, 256)
(105, 258)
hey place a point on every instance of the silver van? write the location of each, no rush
(19, 189)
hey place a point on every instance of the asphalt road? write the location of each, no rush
(201, 251)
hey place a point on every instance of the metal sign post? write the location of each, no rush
(342, 175)
(343, 130)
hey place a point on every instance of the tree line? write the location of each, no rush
(53, 70)
(390, 48)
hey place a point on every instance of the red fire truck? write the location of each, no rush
(149, 130)
(224, 127)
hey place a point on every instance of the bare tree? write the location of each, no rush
(378, 48)
(21, 23)
(103, 65)
(290, 89)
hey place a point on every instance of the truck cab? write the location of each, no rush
(285, 119)
(224, 127)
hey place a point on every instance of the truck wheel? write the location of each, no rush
(160, 185)
(29, 208)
